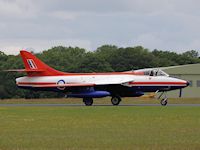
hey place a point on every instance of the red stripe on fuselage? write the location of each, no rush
(36, 83)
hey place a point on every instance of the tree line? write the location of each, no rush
(107, 58)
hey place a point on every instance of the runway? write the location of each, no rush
(95, 105)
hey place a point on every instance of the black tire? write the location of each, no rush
(163, 102)
(88, 101)
(115, 100)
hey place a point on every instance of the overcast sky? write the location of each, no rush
(40, 24)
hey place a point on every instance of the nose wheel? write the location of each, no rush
(164, 99)
(163, 102)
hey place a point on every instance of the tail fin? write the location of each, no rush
(35, 67)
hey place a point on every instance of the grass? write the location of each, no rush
(100, 101)
(100, 127)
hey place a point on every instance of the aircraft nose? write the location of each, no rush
(188, 83)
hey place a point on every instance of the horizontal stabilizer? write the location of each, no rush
(23, 70)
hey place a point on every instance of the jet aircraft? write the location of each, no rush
(96, 85)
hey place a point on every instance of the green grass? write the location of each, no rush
(99, 127)
(139, 100)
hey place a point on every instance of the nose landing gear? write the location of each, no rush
(164, 99)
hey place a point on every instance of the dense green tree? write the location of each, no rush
(93, 63)
(193, 54)
(63, 58)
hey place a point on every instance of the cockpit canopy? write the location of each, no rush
(152, 72)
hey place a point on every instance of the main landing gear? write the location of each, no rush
(115, 100)
(163, 98)
(88, 101)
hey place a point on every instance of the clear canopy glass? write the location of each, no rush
(153, 72)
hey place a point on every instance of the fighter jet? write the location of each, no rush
(96, 85)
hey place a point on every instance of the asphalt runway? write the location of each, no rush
(95, 105)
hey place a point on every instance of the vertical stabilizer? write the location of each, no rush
(35, 67)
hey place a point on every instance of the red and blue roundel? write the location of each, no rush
(61, 82)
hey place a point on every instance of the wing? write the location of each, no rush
(122, 80)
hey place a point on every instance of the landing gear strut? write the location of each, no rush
(163, 98)
(88, 101)
(115, 100)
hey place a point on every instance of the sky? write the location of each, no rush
(38, 25)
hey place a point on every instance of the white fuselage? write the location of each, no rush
(122, 79)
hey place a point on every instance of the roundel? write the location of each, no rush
(61, 82)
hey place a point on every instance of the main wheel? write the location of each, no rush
(115, 100)
(163, 102)
(88, 101)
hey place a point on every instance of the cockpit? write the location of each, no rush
(152, 72)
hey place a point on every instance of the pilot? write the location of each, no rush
(152, 73)
(156, 72)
